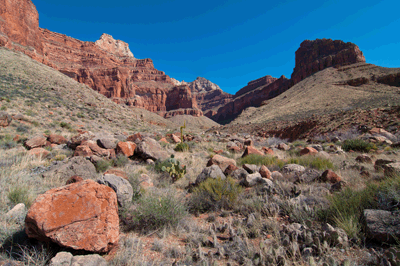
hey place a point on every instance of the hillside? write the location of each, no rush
(331, 91)
(46, 98)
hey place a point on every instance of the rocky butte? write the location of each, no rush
(107, 65)
(311, 57)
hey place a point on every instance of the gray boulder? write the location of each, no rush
(392, 169)
(382, 226)
(251, 168)
(17, 213)
(239, 174)
(252, 179)
(75, 166)
(67, 259)
(149, 148)
(293, 168)
(107, 143)
(121, 186)
(212, 171)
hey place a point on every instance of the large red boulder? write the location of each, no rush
(308, 151)
(57, 139)
(251, 150)
(126, 148)
(81, 216)
(36, 142)
(330, 176)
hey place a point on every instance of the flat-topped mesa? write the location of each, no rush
(255, 84)
(314, 56)
(116, 47)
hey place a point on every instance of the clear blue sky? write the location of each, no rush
(229, 42)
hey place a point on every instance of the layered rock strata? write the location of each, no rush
(208, 94)
(311, 57)
(107, 65)
(314, 56)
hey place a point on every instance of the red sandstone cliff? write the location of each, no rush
(107, 65)
(313, 56)
(208, 95)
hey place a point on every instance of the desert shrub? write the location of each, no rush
(102, 165)
(182, 147)
(22, 129)
(214, 194)
(261, 160)
(20, 194)
(6, 142)
(66, 125)
(357, 145)
(120, 161)
(159, 209)
(3, 108)
(313, 162)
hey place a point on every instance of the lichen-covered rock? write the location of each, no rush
(149, 148)
(76, 166)
(121, 186)
(81, 216)
(382, 226)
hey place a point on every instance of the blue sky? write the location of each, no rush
(229, 42)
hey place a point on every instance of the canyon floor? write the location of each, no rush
(312, 177)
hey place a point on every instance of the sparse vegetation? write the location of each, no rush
(215, 194)
(159, 209)
(357, 145)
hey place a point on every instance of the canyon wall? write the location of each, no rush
(107, 65)
(314, 56)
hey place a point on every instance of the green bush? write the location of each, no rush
(66, 125)
(20, 194)
(261, 160)
(182, 147)
(102, 165)
(313, 162)
(357, 145)
(120, 161)
(215, 194)
(6, 142)
(157, 210)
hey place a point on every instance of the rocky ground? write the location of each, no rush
(89, 182)
(222, 199)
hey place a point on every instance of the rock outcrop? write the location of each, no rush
(313, 56)
(107, 65)
(253, 98)
(208, 95)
